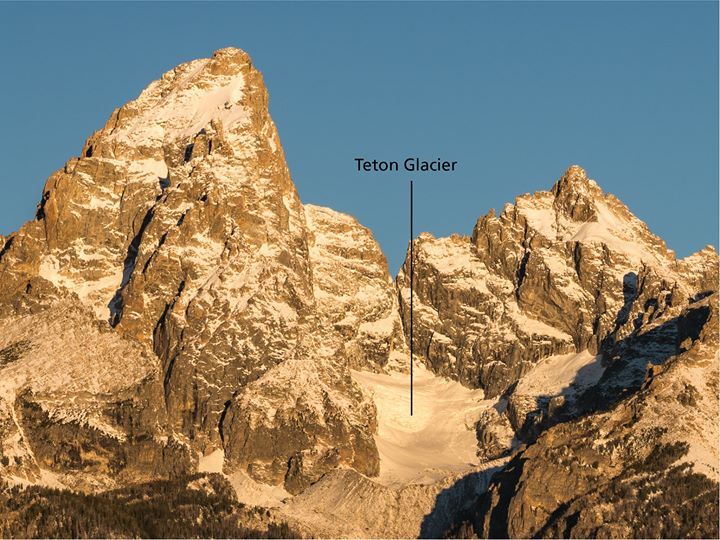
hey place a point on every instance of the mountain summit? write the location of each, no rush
(174, 313)
(180, 230)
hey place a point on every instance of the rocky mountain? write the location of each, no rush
(554, 273)
(175, 319)
(180, 230)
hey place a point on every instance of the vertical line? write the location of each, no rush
(412, 269)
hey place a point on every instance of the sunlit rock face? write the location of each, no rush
(180, 228)
(559, 271)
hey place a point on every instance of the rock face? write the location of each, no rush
(72, 414)
(468, 324)
(628, 472)
(180, 228)
(354, 293)
(556, 272)
(570, 282)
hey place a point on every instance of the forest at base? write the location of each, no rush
(196, 506)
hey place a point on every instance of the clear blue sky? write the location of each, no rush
(515, 92)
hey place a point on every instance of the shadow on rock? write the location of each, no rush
(454, 503)
(629, 358)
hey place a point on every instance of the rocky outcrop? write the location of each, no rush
(299, 421)
(72, 414)
(354, 293)
(495, 431)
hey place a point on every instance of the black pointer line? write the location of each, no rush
(412, 265)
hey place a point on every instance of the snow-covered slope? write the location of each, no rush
(438, 440)
(561, 374)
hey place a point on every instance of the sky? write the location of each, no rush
(515, 92)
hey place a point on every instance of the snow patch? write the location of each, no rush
(154, 168)
(213, 462)
(254, 493)
(554, 375)
(380, 327)
(438, 440)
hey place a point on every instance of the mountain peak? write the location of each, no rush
(231, 52)
(229, 61)
(575, 194)
(225, 89)
(575, 180)
(575, 173)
